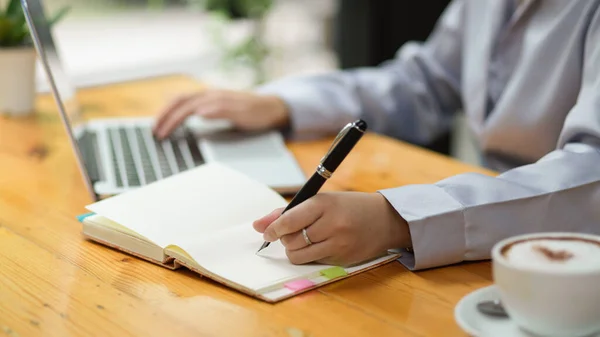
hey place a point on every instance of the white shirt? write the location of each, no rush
(527, 75)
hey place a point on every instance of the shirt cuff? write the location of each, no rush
(436, 223)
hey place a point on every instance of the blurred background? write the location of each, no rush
(239, 43)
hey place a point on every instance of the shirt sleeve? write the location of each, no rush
(462, 217)
(412, 97)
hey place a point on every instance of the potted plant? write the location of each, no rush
(251, 51)
(17, 60)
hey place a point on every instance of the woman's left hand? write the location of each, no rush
(344, 228)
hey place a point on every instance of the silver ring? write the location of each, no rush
(306, 239)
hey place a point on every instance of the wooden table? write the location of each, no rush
(54, 283)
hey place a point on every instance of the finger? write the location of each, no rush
(317, 232)
(167, 110)
(294, 220)
(315, 252)
(213, 110)
(226, 103)
(261, 224)
(218, 105)
(177, 117)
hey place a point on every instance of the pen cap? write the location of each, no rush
(361, 125)
(344, 145)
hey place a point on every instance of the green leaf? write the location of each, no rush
(14, 8)
(19, 36)
(12, 35)
(236, 8)
(14, 13)
(5, 28)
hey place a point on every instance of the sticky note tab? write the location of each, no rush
(83, 216)
(319, 279)
(299, 284)
(334, 272)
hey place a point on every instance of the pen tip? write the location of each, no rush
(264, 245)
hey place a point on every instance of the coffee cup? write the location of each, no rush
(549, 283)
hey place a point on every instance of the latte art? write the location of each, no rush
(549, 282)
(554, 254)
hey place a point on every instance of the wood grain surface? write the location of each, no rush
(55, 283)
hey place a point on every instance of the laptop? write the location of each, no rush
(115, 155)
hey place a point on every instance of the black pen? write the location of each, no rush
(341, 147)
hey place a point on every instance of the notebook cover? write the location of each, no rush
(262, 297)
(173, 264)
(169, 262)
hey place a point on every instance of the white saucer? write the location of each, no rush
(477, 324)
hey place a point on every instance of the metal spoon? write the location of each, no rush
(492, 308)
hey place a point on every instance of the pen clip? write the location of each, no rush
(337, 139)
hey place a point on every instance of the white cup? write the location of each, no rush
(558, 302)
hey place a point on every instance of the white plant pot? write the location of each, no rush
(17, 81)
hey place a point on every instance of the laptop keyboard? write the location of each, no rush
(88, 143)
(116, 160)
(139, 159)
(147, 167)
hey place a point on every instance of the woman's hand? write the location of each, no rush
(344, 227)
(246, 111)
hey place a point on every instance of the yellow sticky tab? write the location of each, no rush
(334, 272)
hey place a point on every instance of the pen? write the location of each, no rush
(341, 147)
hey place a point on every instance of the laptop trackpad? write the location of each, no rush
(263, 157)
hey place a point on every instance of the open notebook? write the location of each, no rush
(202, 219)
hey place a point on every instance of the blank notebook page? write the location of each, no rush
(191, 205)
(232, 254)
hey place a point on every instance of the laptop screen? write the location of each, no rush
(62, 90)
(48, 54)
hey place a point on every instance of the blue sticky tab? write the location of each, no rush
(83, 216)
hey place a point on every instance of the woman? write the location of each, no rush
(527, 75)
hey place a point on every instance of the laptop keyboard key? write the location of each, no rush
(163, 162)
(132, 175)
(194, 150)
(115, 163)
(146, 159)
(179, 157)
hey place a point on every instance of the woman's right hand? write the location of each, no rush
(245, 110)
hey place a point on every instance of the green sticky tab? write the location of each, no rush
(334, 272)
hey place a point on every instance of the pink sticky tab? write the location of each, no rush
(299, 285)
